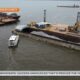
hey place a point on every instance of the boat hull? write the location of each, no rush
(16, 17)
(66, 37)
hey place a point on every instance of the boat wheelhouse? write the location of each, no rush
(13, 40)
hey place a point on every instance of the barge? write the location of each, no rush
(65, 35)
(8, 19)
(73, 6)
(61, 31)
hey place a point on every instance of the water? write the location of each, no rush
(34, 55)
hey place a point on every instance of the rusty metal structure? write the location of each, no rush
(77, 24)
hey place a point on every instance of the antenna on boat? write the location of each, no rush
(45, 15)
(78, 16)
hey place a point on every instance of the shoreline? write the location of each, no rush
(48, 40)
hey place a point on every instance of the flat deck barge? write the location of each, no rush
(8, 19)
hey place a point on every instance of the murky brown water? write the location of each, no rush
(35, 55)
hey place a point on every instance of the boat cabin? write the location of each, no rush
(42, 25)
(13, 40)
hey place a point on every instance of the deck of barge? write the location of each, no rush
(7, 21)
(59, 30)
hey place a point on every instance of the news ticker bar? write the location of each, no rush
(39, 73)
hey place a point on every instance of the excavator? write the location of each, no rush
(76, 27)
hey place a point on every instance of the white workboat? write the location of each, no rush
(13, 40)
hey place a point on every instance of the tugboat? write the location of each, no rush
(13, 41)
(64, 32)
(7, 19)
